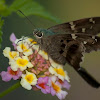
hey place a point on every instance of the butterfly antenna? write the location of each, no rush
(27, 18)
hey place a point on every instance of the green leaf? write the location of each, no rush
(30, 7)
(4, 11)
(1, 24)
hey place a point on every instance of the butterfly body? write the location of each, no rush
(66, 43)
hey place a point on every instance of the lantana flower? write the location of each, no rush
(43, 54)
(64, 84)
(10, 54)
(58, 71)
(28, 80)
(7, 76)
(35, 68)
(24, 47)
(20, 62)
(42, 84)
(56, 88)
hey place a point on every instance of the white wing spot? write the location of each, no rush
(73, 27)
(73, 36)
(91, 20)
(71, 23)
(85, 42)
(83, 30)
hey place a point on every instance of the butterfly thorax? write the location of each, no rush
(41, 35)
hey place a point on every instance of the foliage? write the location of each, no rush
(1, 24)
(29, 7)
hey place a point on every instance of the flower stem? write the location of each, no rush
(15, 86)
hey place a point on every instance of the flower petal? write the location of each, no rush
(13, 37)
(25, 84)
(61, 95)
(5, 76)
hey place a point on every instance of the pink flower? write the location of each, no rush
(7, 76)
(13, 39)
(56, 88)
(42, 84)
(64, 84)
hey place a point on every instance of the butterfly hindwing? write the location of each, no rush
(86, 25)
(62, 48)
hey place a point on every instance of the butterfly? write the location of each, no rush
(66, 43)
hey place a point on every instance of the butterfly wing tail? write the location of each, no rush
(88, 78)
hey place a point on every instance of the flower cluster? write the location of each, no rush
(34, 68)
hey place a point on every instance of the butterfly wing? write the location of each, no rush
(74, 58)
(64, 49)
(87, 26)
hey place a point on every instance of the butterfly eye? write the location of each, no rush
(38, 34)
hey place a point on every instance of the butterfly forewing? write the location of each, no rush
(87, 25)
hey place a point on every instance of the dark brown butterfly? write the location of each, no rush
(66, 43)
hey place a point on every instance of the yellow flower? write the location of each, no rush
(21, 63)
(10, 54)
(58, 71)
(28, 79)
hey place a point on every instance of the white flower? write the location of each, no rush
(10, 54)
(54, 64)
(26, 44)
(21, 63)
(36, 47)
(43, 54)
(24, 47)
(28, 79)
(31, 41)
(58, 71)
(23, 39)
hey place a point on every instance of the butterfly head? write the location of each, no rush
(40, 33)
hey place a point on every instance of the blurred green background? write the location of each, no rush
(66, 10)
